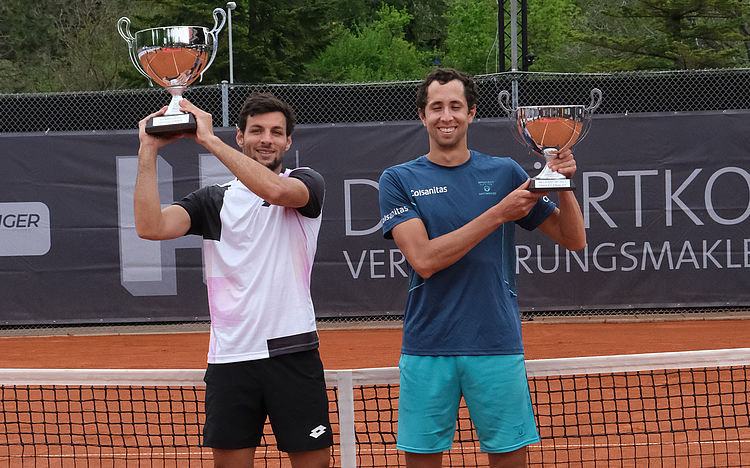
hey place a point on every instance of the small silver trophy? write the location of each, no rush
(548, 129)
(173, 57)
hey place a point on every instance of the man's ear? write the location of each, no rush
(472, 112)
(239, 137)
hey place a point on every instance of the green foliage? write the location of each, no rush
(282, 36)
(62, 45)
(470, 35)
(672, 34)
(551, 39)
(72, 45)
(375, 52)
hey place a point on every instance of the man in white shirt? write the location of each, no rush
(260, 235)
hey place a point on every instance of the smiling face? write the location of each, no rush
(265, 139)
(447, 115)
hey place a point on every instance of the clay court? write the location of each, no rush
(620, 424)
(354, 348)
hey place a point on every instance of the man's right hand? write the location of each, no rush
(519, 202)
(152, 141)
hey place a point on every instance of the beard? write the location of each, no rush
(275, 164)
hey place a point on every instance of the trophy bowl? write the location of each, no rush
(173, 57)
(545, 130)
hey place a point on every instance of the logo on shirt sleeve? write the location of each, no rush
(395, 212)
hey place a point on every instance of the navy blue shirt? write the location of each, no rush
(469, 308)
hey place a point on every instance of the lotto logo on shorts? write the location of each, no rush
(318, 431)
(24, 229)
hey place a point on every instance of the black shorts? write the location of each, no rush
(290, 389)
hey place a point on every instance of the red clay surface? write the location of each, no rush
(351, 349)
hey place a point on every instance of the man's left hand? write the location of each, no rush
(564, 163)
(203, 120)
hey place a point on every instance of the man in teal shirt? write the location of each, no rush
(452, 213)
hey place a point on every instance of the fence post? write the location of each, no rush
(224, 103)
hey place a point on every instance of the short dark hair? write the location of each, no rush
(444, 75)
(263, 103)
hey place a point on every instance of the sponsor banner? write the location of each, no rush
(24, 229)
(665, 199)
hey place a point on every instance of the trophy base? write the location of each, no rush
(171, 124)
(551, 185)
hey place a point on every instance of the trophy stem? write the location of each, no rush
(549, 180)
(174, 120)
(174, 104)
(547, 173)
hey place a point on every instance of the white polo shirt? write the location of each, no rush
(258, 259)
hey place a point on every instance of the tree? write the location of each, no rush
(671, 34)
(374, 52)
(551, 37)
(470, 35)
(63, 45)
(94, 55)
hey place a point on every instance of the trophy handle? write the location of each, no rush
(217, 27)
(504, 100)
(218, 12)
(596, 99)
(125, 33)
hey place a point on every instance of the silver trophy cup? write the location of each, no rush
(548, 129)
(173, 57)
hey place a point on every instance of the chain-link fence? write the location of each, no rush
(624, 92)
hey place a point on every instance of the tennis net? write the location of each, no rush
(665, 409)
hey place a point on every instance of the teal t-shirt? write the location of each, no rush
(469, 308)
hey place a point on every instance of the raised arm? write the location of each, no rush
(429, 256)
(565, 224)
(283, 191)
(151, 222)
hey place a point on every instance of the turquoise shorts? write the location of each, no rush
(496, 392)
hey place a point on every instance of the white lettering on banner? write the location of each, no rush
(609, 257)
(591, 201)
(638, 197)
(148, 268)
(709, 199)
(675, 196)
(348, 207)
(24, 229)
(376, 261)
(595, 203)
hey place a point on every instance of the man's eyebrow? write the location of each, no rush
(273, 127)
(449, 102)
